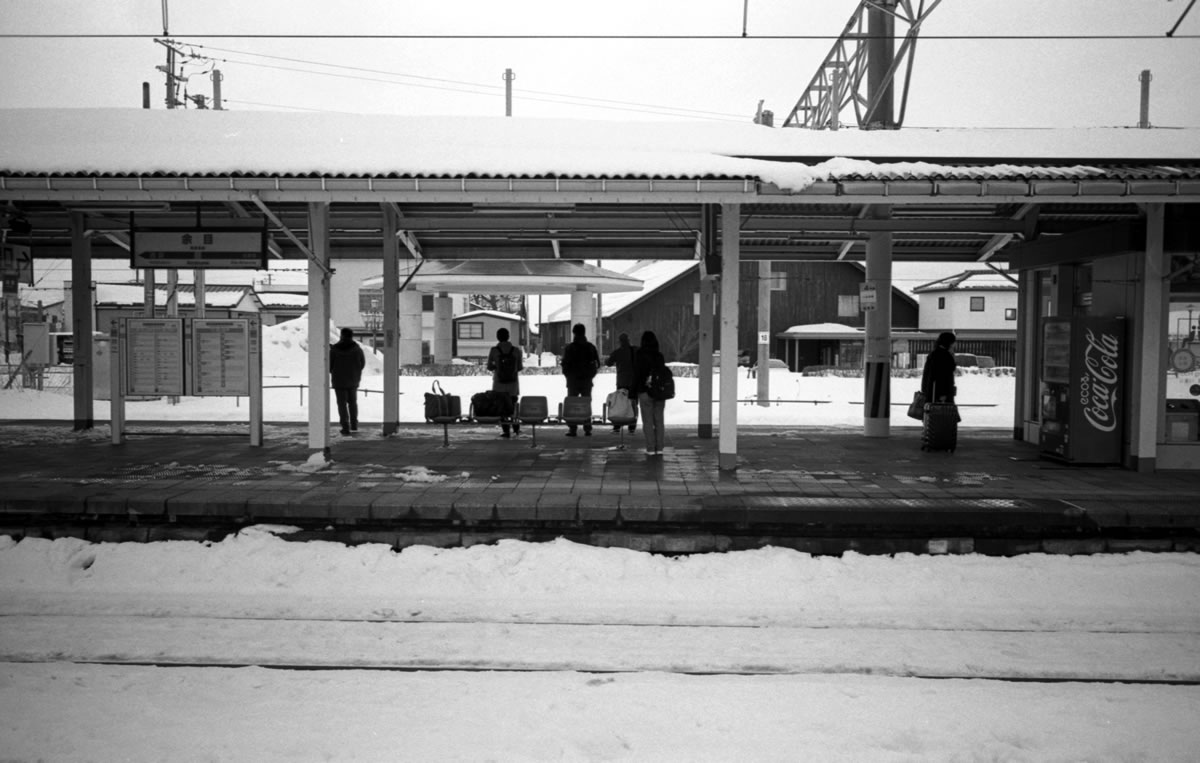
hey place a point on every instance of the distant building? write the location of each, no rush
(475, 332)
(979, 306)
(801, 293)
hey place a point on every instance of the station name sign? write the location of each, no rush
(218, 247)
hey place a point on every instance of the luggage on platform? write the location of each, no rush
(441, 406)
(940, 426)
(491, 405)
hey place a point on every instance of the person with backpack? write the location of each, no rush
(346, 363)
(505, 362)
(653, 385)
(580, 362)
(622, 358)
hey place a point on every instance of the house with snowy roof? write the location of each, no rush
(979, 306)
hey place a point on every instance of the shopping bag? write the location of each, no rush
(620, 409)
(916, 410)
(441, 405)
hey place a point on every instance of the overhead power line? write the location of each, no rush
(568, 37)
(488, 89)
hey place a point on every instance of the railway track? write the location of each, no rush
(1011, 655)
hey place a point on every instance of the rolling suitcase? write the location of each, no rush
(940, 426)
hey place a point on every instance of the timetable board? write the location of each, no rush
(154, 356)
(220, 357)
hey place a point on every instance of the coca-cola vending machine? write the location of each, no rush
(1083, 388)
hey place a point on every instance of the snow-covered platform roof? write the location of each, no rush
(532, 189)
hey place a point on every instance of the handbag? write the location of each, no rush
(441, 405)
(916, 410)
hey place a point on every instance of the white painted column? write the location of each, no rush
(704, 417)
(1147, 356)
(411, 328)
(877, 360)
(81, 322)
(730, 270)
(443, 329)
(391, 318)
(318, 328)
(583, 310)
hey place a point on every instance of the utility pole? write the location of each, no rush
(1144, 78)
(508, 80)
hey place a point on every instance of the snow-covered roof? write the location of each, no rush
(490, 314)
(509, 277)
(654, 274)
(970, 280)
(134, 294)
(209, 142)
(824, 329)
(282, 299)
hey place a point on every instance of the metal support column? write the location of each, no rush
(318, 328)
(81, 321)
(877, 360)
(730, 269)
(391, 319)
(704, 417)
(1148, 354)
(764, 333)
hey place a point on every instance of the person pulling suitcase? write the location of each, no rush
(941, 417)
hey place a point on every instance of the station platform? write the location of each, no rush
(820, 490)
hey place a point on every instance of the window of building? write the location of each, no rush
(1010, 313)
(977, 304)
(427, 303)
(848, 305)
(470, 330)
(941, 303)
(369, 300)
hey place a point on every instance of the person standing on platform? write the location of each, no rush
(647, 360)
(506, 362)
(622, 358)
(938, 374)
(580, 362)
(346, 363)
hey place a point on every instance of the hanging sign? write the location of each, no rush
(193, 248)
(867, 298)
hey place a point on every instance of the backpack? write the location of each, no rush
(506, 365)
(660, 385)
(581, 360)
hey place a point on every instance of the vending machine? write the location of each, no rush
(1083, 389)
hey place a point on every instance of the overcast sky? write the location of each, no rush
(957, 82)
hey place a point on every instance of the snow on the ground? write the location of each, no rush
(845, 634)
(772, 598)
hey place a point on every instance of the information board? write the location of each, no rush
(220, 357)
(154, 356)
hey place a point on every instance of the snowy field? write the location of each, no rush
(558, 651)
(986, 401)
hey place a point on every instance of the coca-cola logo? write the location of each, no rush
(1098, 385)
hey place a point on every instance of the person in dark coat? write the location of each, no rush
(580, 362)
(938, 375)
(622, 358)
(646, 359)
(346, 363)
(511, 388)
